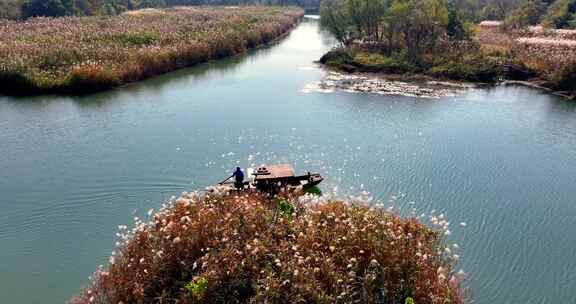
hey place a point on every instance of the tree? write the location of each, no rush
(529, 13)
(419, 23)
(10, 9)
(49, 8)
(335, 19)
(412, 26)
(561, 14)
(497, 9)
(456, 28)
(152, 3)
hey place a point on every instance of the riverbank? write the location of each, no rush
(534, 58)
(358, 59)
(546, 57)
(247, 248)
(80, 55)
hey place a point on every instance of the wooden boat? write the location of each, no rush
(273, 178)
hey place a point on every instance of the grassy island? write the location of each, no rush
(77, 55)
(221, 248)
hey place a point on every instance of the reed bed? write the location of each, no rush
(553, 58)
(548, 53)
(540, 31)
(222, 248)
(86, 54)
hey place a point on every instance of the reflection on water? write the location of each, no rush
(500, 159)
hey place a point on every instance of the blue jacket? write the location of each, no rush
(239, 175)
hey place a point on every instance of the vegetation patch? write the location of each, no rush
(405, 36)
(221, 248)
(435, 38)
(138, 39)
(78, 55)
(469, 67)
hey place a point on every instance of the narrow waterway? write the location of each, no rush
(502, 160)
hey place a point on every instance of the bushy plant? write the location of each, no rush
(197, 287)
(138, 39)
(312, 190)
(396, 62)
(285, 207)
(221, 248)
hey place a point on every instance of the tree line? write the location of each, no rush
(21, 9)
(521, 13)
(411, 25)
(515, 13)
(452, 13)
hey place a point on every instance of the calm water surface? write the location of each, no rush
(503, 160)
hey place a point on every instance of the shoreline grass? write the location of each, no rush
(249, 248)
(81, 55)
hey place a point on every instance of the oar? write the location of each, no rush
(220, 183)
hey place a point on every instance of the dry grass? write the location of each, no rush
(144, 12)
(549, 52)
(43, 55)
(249, 248)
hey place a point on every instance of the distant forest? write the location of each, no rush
(21, 9)
(551, 13)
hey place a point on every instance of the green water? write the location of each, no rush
(503, 160)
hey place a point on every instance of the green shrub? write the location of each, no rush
(372, 59)
(337, 57)
(468, 70)
(197, 287)
(313, 190)
(285, 207)
(138, 39)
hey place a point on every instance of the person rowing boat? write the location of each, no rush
(238, 179)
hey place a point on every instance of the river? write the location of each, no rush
(502, 160)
